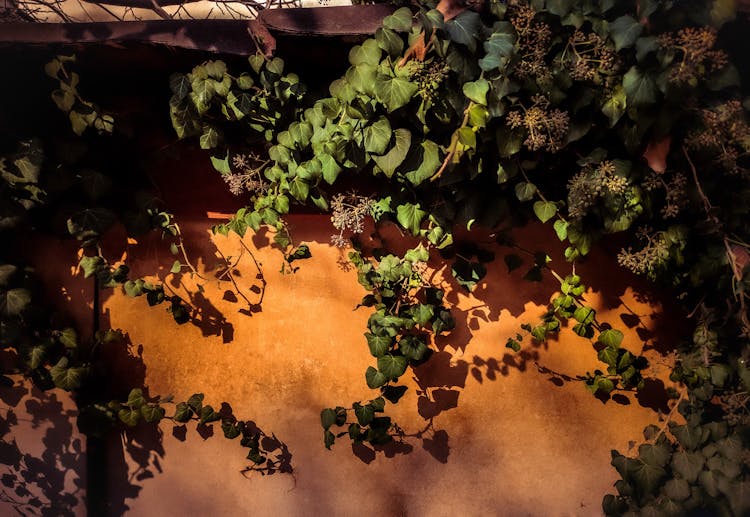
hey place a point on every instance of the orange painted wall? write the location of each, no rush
(496, 433)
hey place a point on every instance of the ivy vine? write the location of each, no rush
(593, 117)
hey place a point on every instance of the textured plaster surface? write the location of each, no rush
(493, 432)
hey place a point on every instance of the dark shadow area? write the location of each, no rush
(654, 396)
(47, 478)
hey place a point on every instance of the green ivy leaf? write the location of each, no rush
(208, 415)
(611, 338)
(677, 489)
(467, 137)
(328, 439)
(690, 437)
(80, 121)
(392, 366)
(640, 88)
(330, 169)
(687, 464)
(608, 355)
(545, 210)
(379, 345)
(499, 48)
(377, 136)
(539, 333)
(7, 272)
(362, 78)
(656, 455)
(65, 377)
(180, 86)
(561, 229)
(478, 116)
(418, 254)
(647, 477)
(465, 29)
(410, 216)
(90, 265)
(368, 53)
(399, 21)
(327, 418)
(195, 402)
(394, 92)
(412, 347)
(14, 302)
(275, 66)
(645, 46)
(604, 385)
(429, 163)
(477, 91)
(615, 106)
(374, 378)
(135, 398)
(256, 62)
(525, 191)
(221, 164)
(152, 414)
(364, 414)
(183, 413)
(300, 133)
(37, 357)
(625, 31)
(513, 345)
(64, 99)
(209, 138)
(299, 189)
(422, 313)
(215, 69)
(397, 154)
(129, 416)
(584, 315)
(559, 7)
(230, 430)
(377, 404)
(389, 41)
(723, 11)
(245, 81)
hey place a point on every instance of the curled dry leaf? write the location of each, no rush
(451, 8)
(656, 154)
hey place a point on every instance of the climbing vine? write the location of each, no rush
(593, 117)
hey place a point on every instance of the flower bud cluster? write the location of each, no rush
(247, 179)
(534, 38)
(348, 212)
(429, 77)
(697, 58)
(590, 185)
(725, 132)
(545, 128)
(589, 58)
(650, 258)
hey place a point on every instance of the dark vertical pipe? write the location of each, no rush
(96, 451)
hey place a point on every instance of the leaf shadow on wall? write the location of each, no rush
(39, 476)
(653, 329)
(134, 454)
(185, 289)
